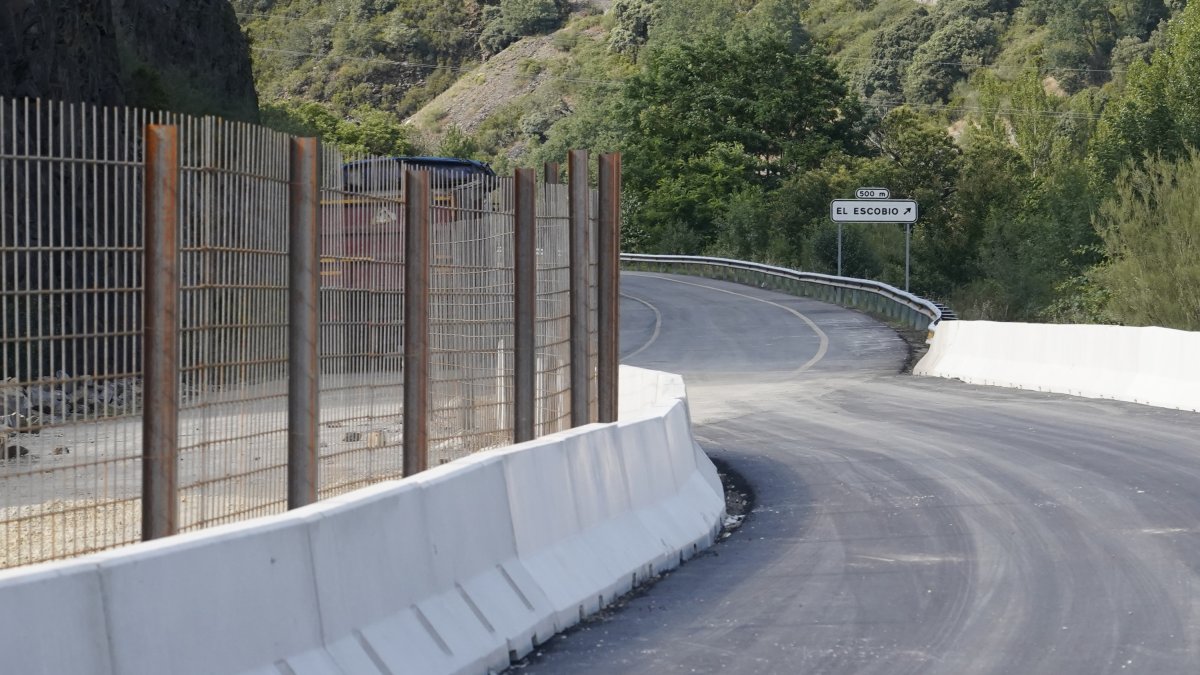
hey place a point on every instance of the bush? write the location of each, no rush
(529, 17)
(1152, 233)
(458, 143)
(936, 64)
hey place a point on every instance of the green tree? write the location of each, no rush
(880, 80)
(707, 119)
(918, 160)
(527, 17)
(458, 143)
(633, 19)
(366, 131)
(1152, 234)
(1158, 114)
(946, 57)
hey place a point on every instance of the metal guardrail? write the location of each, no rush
(870, 296)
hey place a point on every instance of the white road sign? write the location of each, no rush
(873, 211)
(872, 193)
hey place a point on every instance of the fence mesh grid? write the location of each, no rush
(361, 324)
(593, 297)
(71, 260)
(471, 316)
(233, 240)
(553, 310)
(70, 326)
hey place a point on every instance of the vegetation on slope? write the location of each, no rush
(1042, 138)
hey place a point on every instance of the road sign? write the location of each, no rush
(872, 193)
(873, 211)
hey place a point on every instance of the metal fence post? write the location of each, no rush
(160, 349)
(551, 173)
(524, 306)
(579, 196)
(416, 321)
(608, 261)
(303, 273)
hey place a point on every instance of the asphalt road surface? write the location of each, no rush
(902, 525)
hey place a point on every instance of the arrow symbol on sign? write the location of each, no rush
(908, 211)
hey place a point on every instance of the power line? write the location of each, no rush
(427, 66)
(979, 66)
(885, 105)
(998, 110)
(868, 59)
(314, 21)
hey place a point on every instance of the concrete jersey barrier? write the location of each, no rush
(460, 569)
(1153, 366)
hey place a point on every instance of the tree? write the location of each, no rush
(1152, 235)
(881, 77)
(918, 160)
(946, 56)
(528, 17)
(710, 118)
(633, 20)
(1158, 114)
(458, 143)
(367, 131)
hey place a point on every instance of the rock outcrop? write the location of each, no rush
(182, 55)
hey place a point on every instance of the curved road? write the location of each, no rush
(903, 525)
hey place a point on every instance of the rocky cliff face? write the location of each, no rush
(59, 50)
(185, 55)
(182, 55)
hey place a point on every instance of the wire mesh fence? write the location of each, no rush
(471, 315)
(554, 310)
(73, 233)
(361, 247)
(70, 260)
(233, 248)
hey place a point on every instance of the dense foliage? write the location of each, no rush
(392, 55)
(737, 132)
(1152, 276)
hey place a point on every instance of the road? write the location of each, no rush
(902, 525)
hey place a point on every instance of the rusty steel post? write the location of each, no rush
(416, 321)
(524, 306)
(303, 273)
(608, 264)
(551, 173)
(579, 196)
(160, 335)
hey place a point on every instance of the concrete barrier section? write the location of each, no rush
(484, 566)
(51, 621)
(234, 600)
(458, 570)
(1154, 366)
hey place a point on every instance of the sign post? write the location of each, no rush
(875, 206)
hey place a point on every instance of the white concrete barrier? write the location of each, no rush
(1154, 366)
(457, 570)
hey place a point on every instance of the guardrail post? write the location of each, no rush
(160, 348)
(416, 321)
(524, 306)
(303, 273)
(577, 179)
(608, 272)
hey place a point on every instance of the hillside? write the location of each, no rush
(448, 65)
(491, 75)
(1029, 131)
